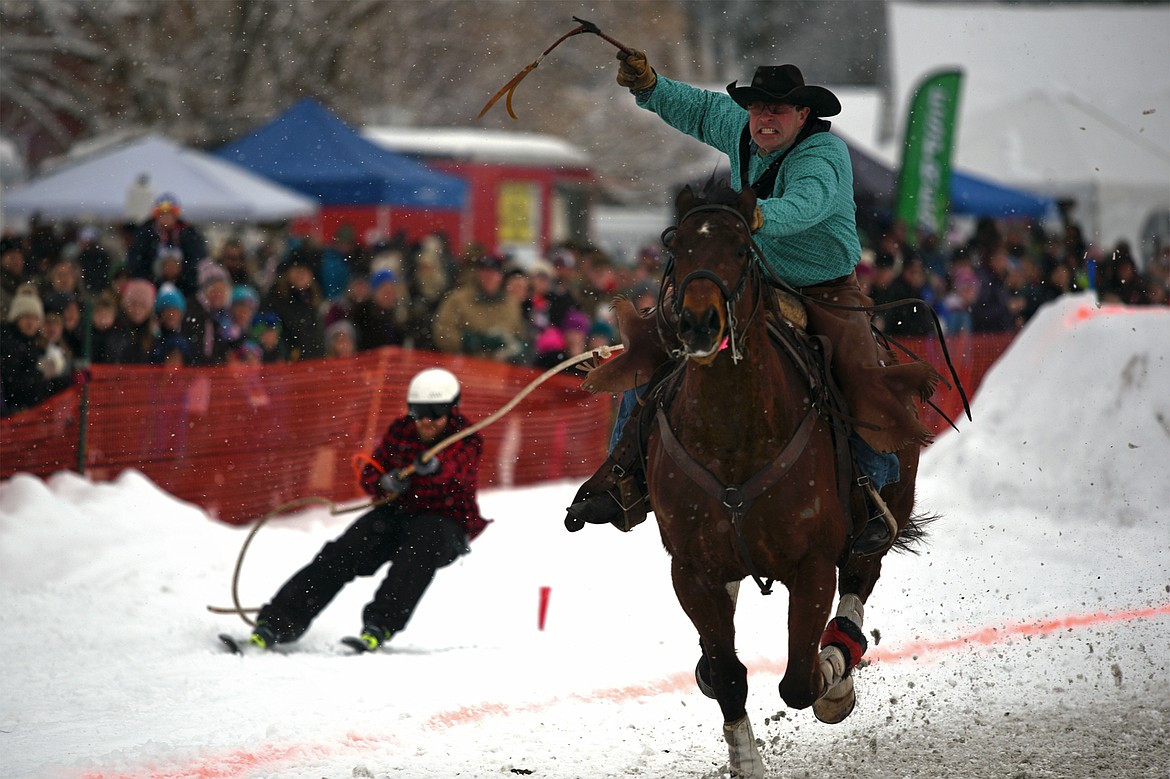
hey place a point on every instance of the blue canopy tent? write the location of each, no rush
(971, 195)
(312, 151)
(980, 197)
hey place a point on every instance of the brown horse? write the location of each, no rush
(742, 475)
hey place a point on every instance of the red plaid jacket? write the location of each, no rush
(450, 492)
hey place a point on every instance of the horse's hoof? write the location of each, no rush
(702, 677)
(837, 704)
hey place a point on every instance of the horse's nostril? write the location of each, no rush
(711, 321)
(705, 325)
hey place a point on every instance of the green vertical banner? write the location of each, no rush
(924, 182)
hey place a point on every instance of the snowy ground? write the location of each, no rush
(1030, 640)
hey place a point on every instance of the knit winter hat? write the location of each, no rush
(264, 321)
(166, 203)
(170, 297)
(210, 272)
(139, 290)
(26, 303)
(577, 320)
(340, 326)
(382, 277)
(242, 293)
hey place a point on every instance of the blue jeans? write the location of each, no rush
(625, 408)
(880, 467)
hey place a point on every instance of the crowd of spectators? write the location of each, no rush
(157, 293)
(996, 280)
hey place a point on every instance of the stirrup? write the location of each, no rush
(869, 541)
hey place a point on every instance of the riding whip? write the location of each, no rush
(509, 88)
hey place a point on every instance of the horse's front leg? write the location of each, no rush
(711, 608)
(811, 594)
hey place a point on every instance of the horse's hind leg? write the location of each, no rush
(711, 609)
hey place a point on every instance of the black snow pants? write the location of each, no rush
(415, 545)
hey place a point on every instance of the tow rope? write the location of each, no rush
(601, 353)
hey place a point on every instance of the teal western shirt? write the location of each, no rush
(810, 226)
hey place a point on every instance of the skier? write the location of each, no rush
(430, 517)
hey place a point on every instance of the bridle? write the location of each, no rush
(753, 269)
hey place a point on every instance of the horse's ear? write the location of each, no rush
(746, 203)
(684, 202)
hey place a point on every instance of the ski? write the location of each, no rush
(239, 646)
(232, 644)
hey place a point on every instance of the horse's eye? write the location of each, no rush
(743, 250)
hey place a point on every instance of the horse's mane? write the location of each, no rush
(715, 192)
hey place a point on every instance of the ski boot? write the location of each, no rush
(262, 636)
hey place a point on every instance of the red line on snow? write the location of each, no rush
(682, 682)
(243, 761)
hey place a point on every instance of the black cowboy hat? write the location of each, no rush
(784, 84)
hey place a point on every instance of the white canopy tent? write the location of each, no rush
(209, 189)
(1064, 101)
(1067, 148)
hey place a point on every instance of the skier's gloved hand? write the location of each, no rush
(426, 467)
(394, 482)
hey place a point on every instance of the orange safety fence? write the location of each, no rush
(240, 441)
(972, 355)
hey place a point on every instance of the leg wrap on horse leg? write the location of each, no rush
(842, 644)
(743, 754)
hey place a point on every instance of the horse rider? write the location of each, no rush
(775, 133)
(424, 522)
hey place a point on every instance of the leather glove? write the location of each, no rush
(426, 467)
(635, 72)
(394, 482)
(757, 220)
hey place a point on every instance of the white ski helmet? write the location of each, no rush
(434, 386)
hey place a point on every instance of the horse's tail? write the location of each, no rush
(913, 537)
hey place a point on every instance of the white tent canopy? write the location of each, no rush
(1064, 101)
(209, 189)
(1064, 147)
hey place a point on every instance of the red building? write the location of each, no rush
(526, 192)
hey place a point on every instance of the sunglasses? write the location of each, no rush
(429, 410)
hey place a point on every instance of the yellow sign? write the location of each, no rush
(516, 216)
